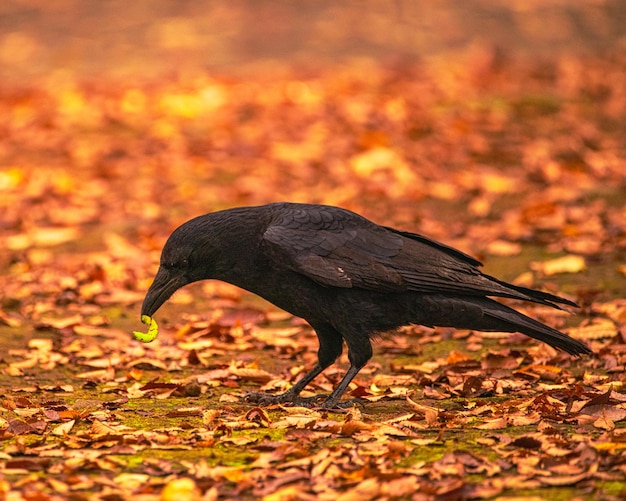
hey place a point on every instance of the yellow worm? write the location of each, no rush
(153, 330)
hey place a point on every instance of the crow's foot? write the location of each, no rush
(314, 402)
(283, 398)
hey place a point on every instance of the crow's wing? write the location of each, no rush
(338, 248)
(341, 249)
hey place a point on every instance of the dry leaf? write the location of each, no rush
(565, 264)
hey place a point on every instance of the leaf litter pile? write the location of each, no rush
(520, 163)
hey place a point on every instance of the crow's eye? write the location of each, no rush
(182, 264)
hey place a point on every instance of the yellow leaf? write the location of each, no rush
(131, 481)
(566, 264)
(180, 489)
(503, 248)
(64, 428)
(288, 493)
(599, 328)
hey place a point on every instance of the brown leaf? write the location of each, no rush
(564, 480)
(493, 424)
(527, 442)
(249, 374)
(431, 414)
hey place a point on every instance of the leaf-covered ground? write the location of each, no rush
(520, 162)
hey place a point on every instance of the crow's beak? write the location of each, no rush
(164, 285)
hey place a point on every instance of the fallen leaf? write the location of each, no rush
(566, 264)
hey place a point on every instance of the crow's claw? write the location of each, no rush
(314, 402)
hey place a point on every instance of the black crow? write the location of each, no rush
(348, 277)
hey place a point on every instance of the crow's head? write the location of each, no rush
(212, 246)
(188, 256)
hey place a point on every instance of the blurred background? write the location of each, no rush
(146, 38)
(495, 126)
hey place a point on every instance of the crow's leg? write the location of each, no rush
(359, 352)
(330, 348)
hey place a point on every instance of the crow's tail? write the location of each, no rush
(498, 317)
